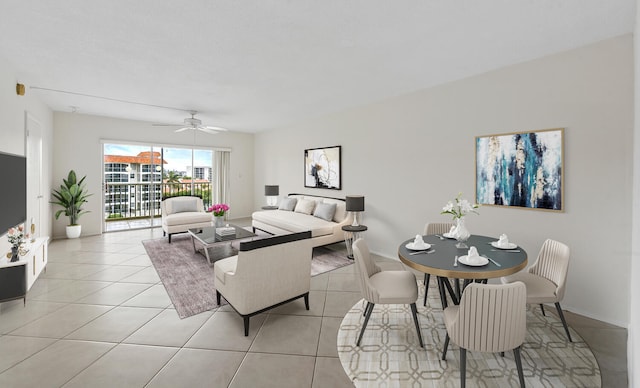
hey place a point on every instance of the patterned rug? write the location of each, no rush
(189, 279)
(390, 355)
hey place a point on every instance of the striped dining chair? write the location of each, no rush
(490, 318)
(546, 278)
(383, 287)
(434, 228)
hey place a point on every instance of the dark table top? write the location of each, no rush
(440, 263)
(351, 228)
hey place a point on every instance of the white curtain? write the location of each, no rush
(221, 177)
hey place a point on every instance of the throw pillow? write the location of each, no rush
(288, 204)
(325, 211)
(305, 206)
(184, 205)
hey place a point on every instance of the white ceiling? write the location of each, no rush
(253, 65)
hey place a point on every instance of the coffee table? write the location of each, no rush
(207, 237)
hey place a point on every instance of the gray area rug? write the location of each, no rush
(189, 279)
(390, 355)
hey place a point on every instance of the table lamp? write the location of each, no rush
(355, 204)
(272, 192)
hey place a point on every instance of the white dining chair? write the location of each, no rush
(383, 287)
(434, 228)
(490, 318)
(546, 278)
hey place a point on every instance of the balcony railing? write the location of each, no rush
(142, 200)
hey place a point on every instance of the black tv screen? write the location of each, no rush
(13, 193)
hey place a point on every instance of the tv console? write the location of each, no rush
(17, 278)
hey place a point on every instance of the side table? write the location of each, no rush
(351, 233)
(269, 208)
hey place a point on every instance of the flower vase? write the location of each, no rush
(461, 233)
(14, 253)
(218, 221)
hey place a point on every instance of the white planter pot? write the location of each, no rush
(73, 231)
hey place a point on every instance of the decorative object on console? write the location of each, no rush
(272, 192)
(17, 238)
(355, 205)
(521, 169)
(459, 210)
(33, 231)
(322, 168)
(71, 196)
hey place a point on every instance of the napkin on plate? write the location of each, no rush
(503, 242)
(418, 242)
(473, 256)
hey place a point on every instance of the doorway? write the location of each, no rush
(137, 177)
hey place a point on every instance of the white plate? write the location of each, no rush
(423, 248)
(510, 246)
(483, 261)
(447, 235)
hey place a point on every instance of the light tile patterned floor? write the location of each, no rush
(100, 317)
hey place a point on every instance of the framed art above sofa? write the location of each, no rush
(322, 168)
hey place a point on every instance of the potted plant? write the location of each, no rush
(71, 196)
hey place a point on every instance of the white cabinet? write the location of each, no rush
(36, 259)
(17, 278)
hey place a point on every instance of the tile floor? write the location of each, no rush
(100, 317)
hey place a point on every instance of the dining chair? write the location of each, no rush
(434, 228)
(546, 278)
(490, 318)
(383, 287)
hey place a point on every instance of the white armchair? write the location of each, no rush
(266, 273)
(182, 213)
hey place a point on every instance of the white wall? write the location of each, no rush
(77, 146)
(410, 155)
(13, 109)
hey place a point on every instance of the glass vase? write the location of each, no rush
(14, 253)
(462, 233)
(218, 221)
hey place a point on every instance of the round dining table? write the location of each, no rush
(440, 260)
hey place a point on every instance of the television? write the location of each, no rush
(13, 194)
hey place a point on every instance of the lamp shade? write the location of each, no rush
(355, 203)
(271, 190)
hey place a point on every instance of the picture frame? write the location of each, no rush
(521, 169)
(322, 168)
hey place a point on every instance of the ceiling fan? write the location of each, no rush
(194, 124)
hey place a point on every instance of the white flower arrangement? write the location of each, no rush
(460, 208)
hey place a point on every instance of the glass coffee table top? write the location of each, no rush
(207, 235)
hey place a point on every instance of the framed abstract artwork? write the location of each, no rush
(521, 169)
(322, 168)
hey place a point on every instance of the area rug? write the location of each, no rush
(189, 279)
(390, 355)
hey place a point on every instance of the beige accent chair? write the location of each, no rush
(384, 287)
(182, 213)
(265, 274)
(491, 318)
(434, 228)
(546, 278)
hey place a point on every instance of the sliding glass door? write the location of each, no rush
(138, 177)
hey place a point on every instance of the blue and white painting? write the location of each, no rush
(520, 169)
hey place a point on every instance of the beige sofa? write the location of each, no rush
(266, 273)
(323, 231)
(182, 213)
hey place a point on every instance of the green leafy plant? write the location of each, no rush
(71, 196)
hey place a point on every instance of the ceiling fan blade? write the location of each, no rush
(208, 130)
(183, 129)
(166, 125)
(218, 129)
